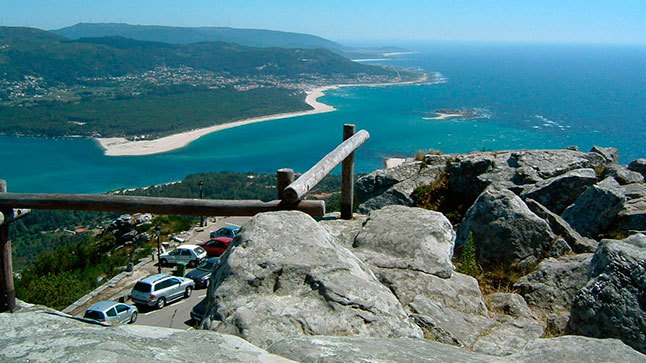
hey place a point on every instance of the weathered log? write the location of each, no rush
(284, 177)
(7, 291)
(132, 204)
(309, 179)
(347, 177)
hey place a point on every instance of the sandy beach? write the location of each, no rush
(119, 146)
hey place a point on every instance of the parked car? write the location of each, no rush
(161, 289)
(216, 246)
(191, 254)
(111, 312)
(202, 274)
(228, 231)
(199, 310)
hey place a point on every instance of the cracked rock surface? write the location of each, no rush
(287, 276)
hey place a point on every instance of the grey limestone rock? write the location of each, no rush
(610, 154)
(559, 248)
(612, 303)
(41, 335)
(632, 217)
(459, 292)
(509, 338)
(344, 230)
(354, 349)
(560, 227)
(622, 174)
(504, 229)
(394, 185)
(635, 191)
(638, 165)
(449, 326)
(551, 287)
(357, 349)
(305, 284)
(559, 192)
(595, 209)
(509, 304)
(399, 237)
(576, 349)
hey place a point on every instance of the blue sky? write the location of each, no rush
(563, 21)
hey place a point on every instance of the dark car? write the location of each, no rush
(216, 246)
(202, 274)
(228, 231)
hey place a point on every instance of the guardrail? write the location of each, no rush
(13, 206)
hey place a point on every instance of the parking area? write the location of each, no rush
(176, 314)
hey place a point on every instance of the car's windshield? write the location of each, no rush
(142, 287)
(94, 315)
(206, 266)
(199, 250)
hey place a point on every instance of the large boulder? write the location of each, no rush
(459, 292)
(286, 275)
(551, 287)
(622, 174)
(613, 302)
(504, 229)
(449, 326)
(638, 165)
(509, 337)
(399, 237)
(560, 227)
(595, 209)
(509, 304)
(632, 217)
(41, 335)
(394, 186)
(353, 349)
(516, 170)
(610, 154)
(559, 192)
(344, 230)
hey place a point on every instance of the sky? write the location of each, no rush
(551, 21)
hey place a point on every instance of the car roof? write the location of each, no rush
(103, 305)
(231, 228)
(154, 278)
(212, 259)
(222, 239)
(190, 247)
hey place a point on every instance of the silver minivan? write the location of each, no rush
(111, 312)
(160, 289)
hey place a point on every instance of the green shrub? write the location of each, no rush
(468, 264)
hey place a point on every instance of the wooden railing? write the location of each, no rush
(14, 206)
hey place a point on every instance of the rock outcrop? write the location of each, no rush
(622, 174)
(595, 209)
(395, 185)
(42, 335)
(403, 238)
(504, 229)
(638, 165)
(559, 192)
(305, 284)
(610, 154)
(612, 303)
(551, 287)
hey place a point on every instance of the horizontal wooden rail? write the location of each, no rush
(309, 179)
(132, 204)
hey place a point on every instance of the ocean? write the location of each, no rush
(524, 96)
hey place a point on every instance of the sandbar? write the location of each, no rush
(119, 146)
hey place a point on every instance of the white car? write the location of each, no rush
(192, 255)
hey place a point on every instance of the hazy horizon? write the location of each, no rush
(577, 21)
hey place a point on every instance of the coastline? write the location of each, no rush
(119, 146)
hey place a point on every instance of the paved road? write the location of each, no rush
(174, 315)
(177, 314)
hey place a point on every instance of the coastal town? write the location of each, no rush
(35, 90)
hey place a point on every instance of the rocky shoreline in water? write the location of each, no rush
(560, 273)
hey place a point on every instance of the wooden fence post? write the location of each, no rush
(7, 292)
(347, 177)
(284, 177)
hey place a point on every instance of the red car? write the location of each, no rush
(216, 246)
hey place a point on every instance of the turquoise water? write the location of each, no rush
(532, 97)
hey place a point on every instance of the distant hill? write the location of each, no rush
(248, 37)
(188, 35)
(28, 51)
